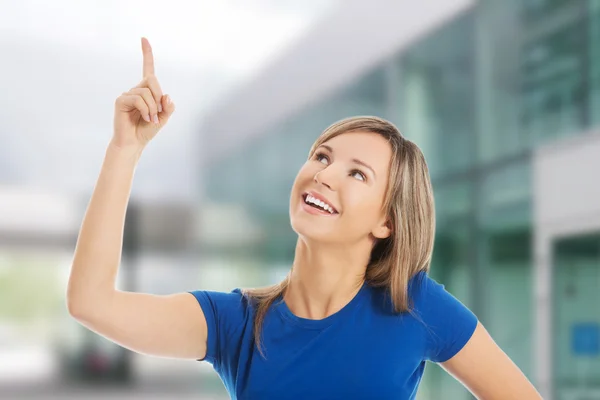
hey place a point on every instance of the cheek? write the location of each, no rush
(358, 197)
(362, 205)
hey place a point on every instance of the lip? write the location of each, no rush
(318, 196)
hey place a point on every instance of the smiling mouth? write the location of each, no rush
(318, 204)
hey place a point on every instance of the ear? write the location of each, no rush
(383, 230)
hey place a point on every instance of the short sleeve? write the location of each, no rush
(225, 315)
(449, 323)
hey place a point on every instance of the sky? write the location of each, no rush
(65, 62)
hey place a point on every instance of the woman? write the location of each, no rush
(356, 318)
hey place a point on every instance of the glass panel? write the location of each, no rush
(438, 96)
(510, 293)
(552, 83)
(537, 9)
(577, 317)
(532, 57)
(451, 201)
(506, 194)
(497, 59)
(594, 59)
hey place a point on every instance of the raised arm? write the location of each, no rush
(169, 326)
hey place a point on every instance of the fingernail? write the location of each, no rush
(155, 118)
(147, 117)
(168, 99)
(159, 107)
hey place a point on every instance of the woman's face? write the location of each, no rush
(350, 173)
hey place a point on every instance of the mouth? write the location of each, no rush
(315, 205)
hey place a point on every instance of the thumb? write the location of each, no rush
(168, 108)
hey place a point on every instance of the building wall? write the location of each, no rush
(567, 265)
(478, 95)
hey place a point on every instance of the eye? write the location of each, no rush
(319, 156)
(362, 176)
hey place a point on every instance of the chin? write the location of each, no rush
(308, 229)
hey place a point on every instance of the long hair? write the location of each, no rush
(410, 208)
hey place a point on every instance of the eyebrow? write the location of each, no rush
(354, 160)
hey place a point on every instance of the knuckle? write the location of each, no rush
(150, 100)
(150, 80)
(148, 105)
(153, 81)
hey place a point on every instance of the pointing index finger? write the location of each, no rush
(148, 68)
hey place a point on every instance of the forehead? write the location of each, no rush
(371, 148)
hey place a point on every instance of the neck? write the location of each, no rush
(325, 277)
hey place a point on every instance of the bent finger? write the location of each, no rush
(148, 98)
(135, 102)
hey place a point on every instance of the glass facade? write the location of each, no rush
(576, 320)
(476, 95)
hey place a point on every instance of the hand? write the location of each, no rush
(141, 112)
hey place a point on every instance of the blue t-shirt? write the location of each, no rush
(363, 351)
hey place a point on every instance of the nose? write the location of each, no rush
(325, 178)
(317, 180)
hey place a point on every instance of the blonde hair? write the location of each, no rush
(410, 207)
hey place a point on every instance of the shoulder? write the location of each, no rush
(234, 298)
(430, 298)
(425, 295)
(223, 303)
(423, 290)
(449, 322)
(227, 310)
(227, 316)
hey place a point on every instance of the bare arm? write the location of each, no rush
(483, 368)
(170, 326)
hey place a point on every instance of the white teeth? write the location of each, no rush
(311, 199)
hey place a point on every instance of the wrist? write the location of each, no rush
(134, 151)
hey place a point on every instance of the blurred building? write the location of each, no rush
(502, 97)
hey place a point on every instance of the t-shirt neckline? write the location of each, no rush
(284, 310)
